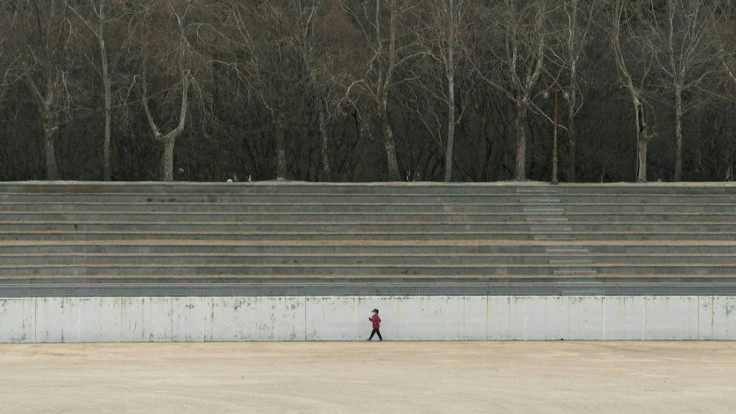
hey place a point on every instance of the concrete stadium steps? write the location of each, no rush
(302, 208)
(399, 273)
(388, 198)
(365, 231)
(317, 236)
(530, 217)
(429, 267)
(122, 259)
(367, 227)
(501, 248)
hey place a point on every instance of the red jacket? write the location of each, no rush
(376, 321)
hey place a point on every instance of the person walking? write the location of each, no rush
(376, 325)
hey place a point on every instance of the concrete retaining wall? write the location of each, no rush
(163, 319)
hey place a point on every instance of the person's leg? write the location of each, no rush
(379, 334)
(373, 332)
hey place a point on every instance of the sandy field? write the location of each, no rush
(398, 377)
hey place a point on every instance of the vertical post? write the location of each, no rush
(555, 179)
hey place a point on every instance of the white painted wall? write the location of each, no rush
(163, 319)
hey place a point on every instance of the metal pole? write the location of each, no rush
(554, 140)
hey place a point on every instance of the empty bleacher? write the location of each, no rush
(531, 237)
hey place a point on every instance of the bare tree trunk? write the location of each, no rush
(52, 170)
(450, 107)
(107, 168)
(574, 45)
(389, 145)
(572, 106)
(678, 134)
(520, 124)
(167, 160)
(46, 110)
(326, 173)
(168, 139)
(388, 133)
(678, 73)
(217, 103)
(642, 140)
(642, 145)
(279, 131)
(572, 136)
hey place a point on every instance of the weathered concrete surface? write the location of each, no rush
(391, 377)
(197, 319)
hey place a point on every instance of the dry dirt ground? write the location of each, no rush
(398, 377)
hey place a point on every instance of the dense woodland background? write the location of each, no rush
(367, 90)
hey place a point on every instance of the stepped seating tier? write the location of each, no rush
(353, 232)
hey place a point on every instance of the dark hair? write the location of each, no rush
(375, 310)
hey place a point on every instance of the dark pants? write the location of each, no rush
(376, 331)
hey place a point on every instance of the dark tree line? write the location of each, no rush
(367, 90)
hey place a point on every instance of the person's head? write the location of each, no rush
(375, 311)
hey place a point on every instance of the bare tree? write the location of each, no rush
(519, 62)
(308, 17)
(390, 47)
(168, 139)
(177, 57)
(40, 33)
(684, 51)
(95, 15)
(266, 32)
(635, 89)
(319, 51)
(579, 17)
(449, 28)
(365, 89)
